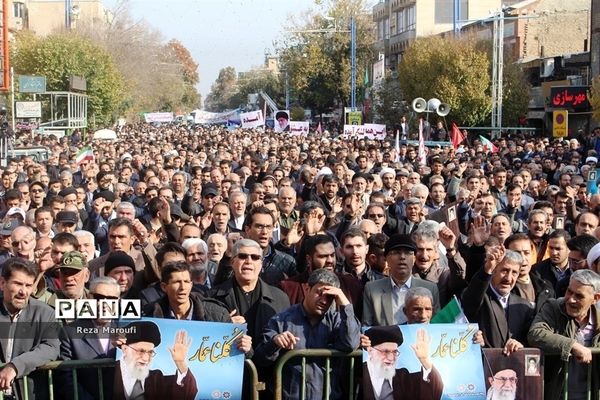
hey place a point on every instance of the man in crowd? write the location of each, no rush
(293, 329)
(568, 326)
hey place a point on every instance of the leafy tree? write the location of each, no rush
(158, 76)
(453, 70)
(297, 114)
(388, 102)
(221, 90)
(60, 55)
(316, 53)
(595, 98)
(252, 82)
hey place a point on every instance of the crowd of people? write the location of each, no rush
(305, 239)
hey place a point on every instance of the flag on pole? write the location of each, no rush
(319, 129)
(452, 313)
(422, 152)
(397, 145)
(487, 145)
(84, 154)
(456, 136)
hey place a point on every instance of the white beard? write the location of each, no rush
(504, 395)
(382, 371)
(138, 373)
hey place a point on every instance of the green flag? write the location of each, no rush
(452, 313)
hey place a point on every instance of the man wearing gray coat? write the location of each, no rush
(28, 333)
(383, 299)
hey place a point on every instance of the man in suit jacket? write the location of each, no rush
(383, 299)
(30, 336)
(381, 379)
(133, 378)
(503, 316)
(84, 339)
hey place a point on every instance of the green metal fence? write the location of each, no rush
(250, 373)
(317, 353)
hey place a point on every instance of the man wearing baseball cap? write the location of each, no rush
(73, 274)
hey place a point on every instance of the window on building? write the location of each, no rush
(380, 30)
(401, 21)
(18, 10)
(411, 18)
(386, 28)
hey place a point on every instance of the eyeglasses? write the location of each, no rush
(37, 191)
(512, 380)
(576, 262)
(260, 227)
(99, 296)
(245, 256)
(375, 216)
(388, 353)
(143, 353)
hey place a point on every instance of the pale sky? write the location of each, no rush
(219, 33)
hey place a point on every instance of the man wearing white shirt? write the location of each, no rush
(383, 299)
(75, 345)
(381, 379)
(237, 205)
(504, 317)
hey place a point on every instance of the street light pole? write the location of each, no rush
(353, 63)
(68, 14)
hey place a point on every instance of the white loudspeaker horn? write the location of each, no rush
(443, 109)
(419, 104)
(433, 104)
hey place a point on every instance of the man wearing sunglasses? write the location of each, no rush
(76, 345)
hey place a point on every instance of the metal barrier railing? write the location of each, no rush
(317, 353)
(250, 372)
(595, 352)
(320, 353)
(74, 365)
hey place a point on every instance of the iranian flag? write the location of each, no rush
(84, 154)
(487, 145)
(452, 313)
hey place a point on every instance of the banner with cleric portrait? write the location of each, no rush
(179, 359)
(423, 361)
(517, 376)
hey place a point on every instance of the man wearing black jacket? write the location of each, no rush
(530, 285)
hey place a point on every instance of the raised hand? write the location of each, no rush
(180, 349)
(493, 258)
(480, 231)
(421, 348)
(447, 237)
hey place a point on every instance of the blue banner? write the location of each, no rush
(215, 366)
(438, 361)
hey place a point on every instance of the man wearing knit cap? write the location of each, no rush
(120, 266)
(133, 378)
(381, 379)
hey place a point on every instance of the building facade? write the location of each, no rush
(46, 16)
